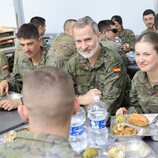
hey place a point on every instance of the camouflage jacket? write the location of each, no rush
(4, 67)
(23, 65)
(114, 46)
(108, 75)
(31, 145)
(145, 31)
(64, 46)
(143, 97)
(127, 36)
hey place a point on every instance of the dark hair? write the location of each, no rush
(117, 18)
(156, 21)
(104, 25)
(37, 21)
(148, 11)
(150, 37)
(80, 23)
(28, 31)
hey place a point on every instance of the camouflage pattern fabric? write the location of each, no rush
(143, 97)
(4, 67)
(114, 46)
(31, 145)
(127, 36)
(23, 65)
(64, 46)
(145, 31)
(108, 75)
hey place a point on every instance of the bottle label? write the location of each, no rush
(97, 124)
(77, 130)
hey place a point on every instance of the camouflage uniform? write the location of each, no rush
(114, 46)
(143, 97)
(4, 67)
(103, 76)
(127, 36)
(31, 145)
(64, 46)
(23, 65)
(145, 31)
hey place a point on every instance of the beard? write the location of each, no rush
(90, 53)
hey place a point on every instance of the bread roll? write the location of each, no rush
(138, 120)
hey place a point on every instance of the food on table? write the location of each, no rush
(138, 120)
(124, 130)
(116, 152)
(10, 136)
(90, 153)
(120, 118)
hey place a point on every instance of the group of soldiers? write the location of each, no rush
(55, 83)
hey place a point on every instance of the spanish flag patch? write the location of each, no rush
(116, 70)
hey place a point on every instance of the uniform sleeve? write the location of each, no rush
(4, 67)
(15, 80)
(134, 101)
(131, 39)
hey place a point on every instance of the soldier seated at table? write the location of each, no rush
(4, 67)
(96, 70)
(49, 103)
(109, 32)
(144, 91)
(30, 57)
(127, 36)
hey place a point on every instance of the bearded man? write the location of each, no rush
(96, 70)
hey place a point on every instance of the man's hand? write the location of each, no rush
(9, 104)
(4, 86)
(122, 111)
(126, 48)
(88, 98)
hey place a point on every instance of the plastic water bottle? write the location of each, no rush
(78, 134)
(131, 57)
(97, 131)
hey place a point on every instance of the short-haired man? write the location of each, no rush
(148, 18)
(109, 32)
(95, 69)
(40, 23)
(32, 56)
(49, 103)
(64, 44)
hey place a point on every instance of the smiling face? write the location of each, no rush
(146, 56)
(31, 47)
(87, 42)
(149, 21)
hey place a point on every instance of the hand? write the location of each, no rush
(4, 86)
(126, 48)
(88, 98)
(121, 111)
(10, 104)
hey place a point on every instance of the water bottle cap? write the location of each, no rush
(96, 98)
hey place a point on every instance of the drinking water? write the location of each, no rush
(78, 134)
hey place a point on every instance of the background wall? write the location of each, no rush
(57, 11)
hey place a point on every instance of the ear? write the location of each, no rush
(99, 36)
(40, 41)
(75, 106)
(23, 113)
